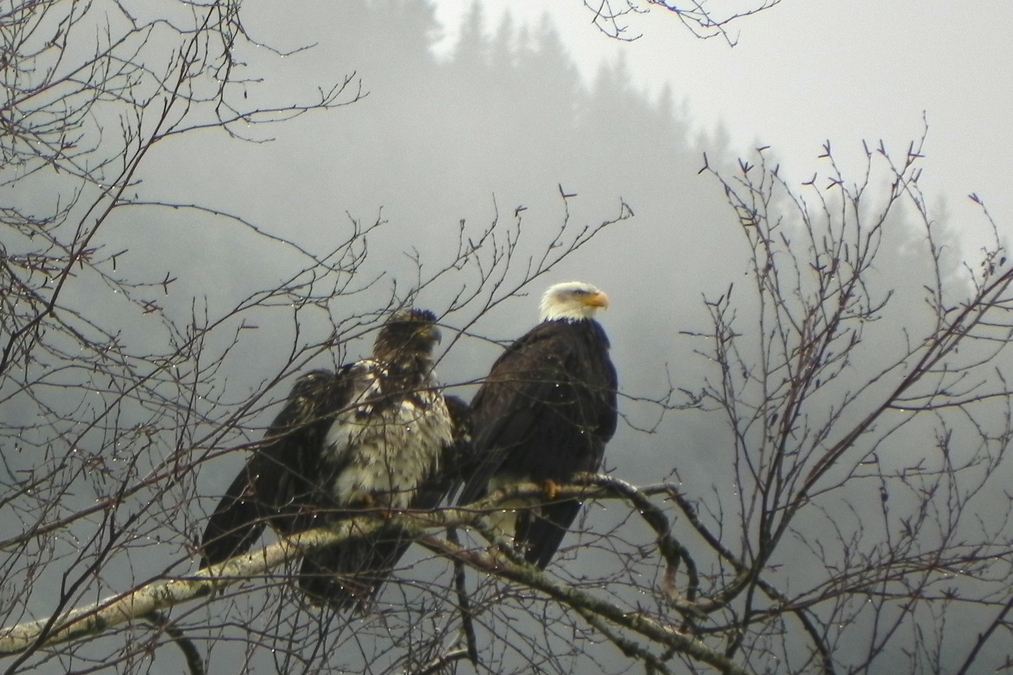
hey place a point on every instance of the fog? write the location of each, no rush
(501, 130)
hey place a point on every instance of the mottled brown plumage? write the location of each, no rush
(377, 435)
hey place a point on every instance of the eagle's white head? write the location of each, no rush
(572, 301)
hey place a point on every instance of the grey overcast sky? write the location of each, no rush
(807, 71)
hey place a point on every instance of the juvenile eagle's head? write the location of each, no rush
(408, 334)
(572, 301)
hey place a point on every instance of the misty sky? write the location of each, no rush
(807, 71)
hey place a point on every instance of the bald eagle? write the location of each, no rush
(376, 435)
(545, 413)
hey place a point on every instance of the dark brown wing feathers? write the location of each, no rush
(545, 413)
(279, 483)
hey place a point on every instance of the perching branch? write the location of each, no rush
(162, 594)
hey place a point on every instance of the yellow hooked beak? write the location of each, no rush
(598, 299)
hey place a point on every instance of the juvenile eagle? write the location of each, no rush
(545, 413)
(376, 435)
